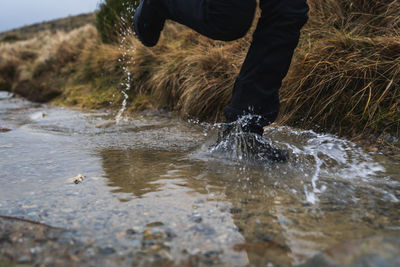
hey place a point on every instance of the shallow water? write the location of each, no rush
(153, 174)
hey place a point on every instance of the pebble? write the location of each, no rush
(131, 232)
(24, 259)
(38, 115)
(106, 251)
(197, 219)
(235, 210)
(153, 235)
(78, 179)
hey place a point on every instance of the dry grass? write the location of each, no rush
(37, 67)
(346, 84)
(345, 77)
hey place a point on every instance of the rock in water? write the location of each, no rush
(78, 179)
(3, 130)
(373, 251)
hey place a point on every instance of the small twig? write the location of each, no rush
(29, 221)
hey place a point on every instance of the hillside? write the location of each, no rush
(64, 24)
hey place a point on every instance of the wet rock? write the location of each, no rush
(212, 257)
(107, 251)
(197, 219)
(373, 251)
(202, 229)
(151, 234)
(38, 115)
(77, 179)
(235, 211)
(131, 232)
(4, 130)
(170, 234)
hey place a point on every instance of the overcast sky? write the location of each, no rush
(17, 13)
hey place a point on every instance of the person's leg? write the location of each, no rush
(224, 20)
(267, 62)
(217, 19)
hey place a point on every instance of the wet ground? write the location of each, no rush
(155, 193)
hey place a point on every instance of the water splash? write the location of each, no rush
(127, 50)
(325, 158)
(235, 143)
(318, 165)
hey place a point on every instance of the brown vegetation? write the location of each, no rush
(65, 24)
(344, 77)
(39, 67)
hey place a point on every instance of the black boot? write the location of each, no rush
(241, 140)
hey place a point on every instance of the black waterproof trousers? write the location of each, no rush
(268, 59)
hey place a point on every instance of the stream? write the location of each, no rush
(152, 185)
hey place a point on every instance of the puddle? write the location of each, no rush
(152, 182)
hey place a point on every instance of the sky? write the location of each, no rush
(18, 13)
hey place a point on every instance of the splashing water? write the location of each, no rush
(125, 60)
(318, 160)
(326, 159)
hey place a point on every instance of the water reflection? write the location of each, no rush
(276, 224)
(136, 171)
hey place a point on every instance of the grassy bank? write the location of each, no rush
(344, 77)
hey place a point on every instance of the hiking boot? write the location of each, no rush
(235, 143)
(148, 22)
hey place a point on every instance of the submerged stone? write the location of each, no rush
(373, 251)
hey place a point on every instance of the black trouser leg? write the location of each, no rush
(268, 60)
(224, 20)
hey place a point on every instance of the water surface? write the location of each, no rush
(151, 181)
